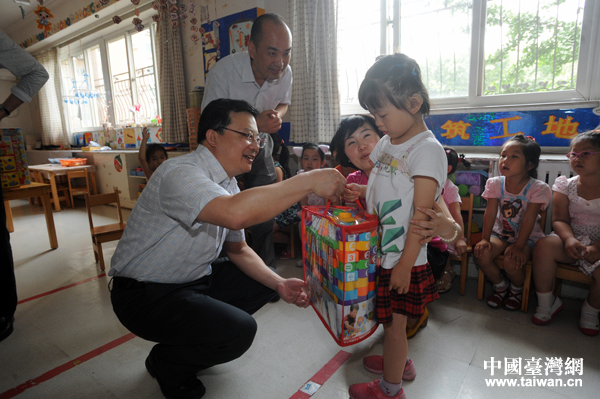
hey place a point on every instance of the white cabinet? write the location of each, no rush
(112, 170)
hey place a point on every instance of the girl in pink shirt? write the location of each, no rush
(511, 223)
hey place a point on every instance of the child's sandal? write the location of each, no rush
(513, 301)
(444, 286)
(496, 300)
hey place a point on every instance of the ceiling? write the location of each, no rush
(11, 13)
(13, 24)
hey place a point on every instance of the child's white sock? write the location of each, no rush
(388, 388)
(502, 286)
(515, 290)
(587, 308)
(545, 299)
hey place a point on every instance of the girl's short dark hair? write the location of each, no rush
(454, 159)
(313, 146)
(531, 151)
(593, 136)
(393, 79)
(345, 129)
(153, 148)
(283, 156)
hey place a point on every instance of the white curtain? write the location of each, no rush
(51, 122)
(315, 109)
(171, 80)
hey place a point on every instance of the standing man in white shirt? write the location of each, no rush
(33, 76)
(261, 76)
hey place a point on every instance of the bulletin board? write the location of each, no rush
(227, 35)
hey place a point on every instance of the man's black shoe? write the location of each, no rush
(6, 326)
(191, 389)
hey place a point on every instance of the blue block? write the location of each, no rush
(364, 237)
(352, 276)
(371, 294)
(372, 268)
(337, 292)
(351, 295)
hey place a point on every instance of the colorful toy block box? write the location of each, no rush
(472, 182)
(14, 170)
(339, 253)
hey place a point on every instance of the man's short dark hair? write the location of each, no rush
(217, 114)
(257, 27)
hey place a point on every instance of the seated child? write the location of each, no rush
(453, 202)
(312, 156)
(150, 155)
(576, 236)
(511, 221)
(281, 156)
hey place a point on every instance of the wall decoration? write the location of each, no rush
(45, 15)
(214, 48)
(239, 35)
(48, 28)
(550, 128)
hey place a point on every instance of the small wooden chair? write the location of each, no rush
(294, 239)
(526, 285)
(570, 273)
(105, 233)
(78, 189)
(466, 206)
(62, 188)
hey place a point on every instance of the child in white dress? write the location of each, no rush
(576, 236)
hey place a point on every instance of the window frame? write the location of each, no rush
(102, 42)
(585, 94)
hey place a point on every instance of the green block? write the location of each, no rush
(362, 264)
(350, 267)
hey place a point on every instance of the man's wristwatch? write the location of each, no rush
(4, 109)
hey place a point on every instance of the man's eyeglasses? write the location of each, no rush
(582, 155)
(250, 137)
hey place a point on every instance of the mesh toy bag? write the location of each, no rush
(339, 255)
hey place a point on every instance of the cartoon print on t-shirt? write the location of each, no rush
(511, 221)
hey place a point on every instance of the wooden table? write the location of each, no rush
(41, 190)
(50, 171)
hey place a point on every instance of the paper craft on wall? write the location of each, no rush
(239, 35)
(45, 15)
(234, 30)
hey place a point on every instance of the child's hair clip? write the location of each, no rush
(448, 151)
(297, 151)
(324, 148)
(461, 158)
(414, 72)
(530, 138)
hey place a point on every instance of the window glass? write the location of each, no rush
(119, 70)
(532, 46)
(358, 45)
(145, 79)
(437, 34)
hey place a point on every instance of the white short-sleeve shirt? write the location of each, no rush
(390, 191)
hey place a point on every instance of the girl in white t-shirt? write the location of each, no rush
(576, 236)
(511, 223)
(409, 172)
